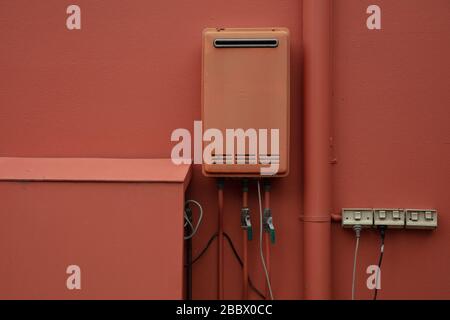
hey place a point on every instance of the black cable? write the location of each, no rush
(380, 260)
(205, 248)
(238, 258)
(250, 283)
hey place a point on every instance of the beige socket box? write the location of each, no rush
(357, 216)
(391, 218)
(421, 219)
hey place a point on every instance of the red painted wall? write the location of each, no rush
(392, 140)
(118, 87)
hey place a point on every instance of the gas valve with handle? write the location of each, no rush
(246, 223)
(268, 224)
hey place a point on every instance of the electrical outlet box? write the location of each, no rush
(421, 219)
(357, 216)
(392, 218)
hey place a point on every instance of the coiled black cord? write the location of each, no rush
(238, 258)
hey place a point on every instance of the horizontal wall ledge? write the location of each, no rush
(93, 170)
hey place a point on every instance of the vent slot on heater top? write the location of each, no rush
(245, 43)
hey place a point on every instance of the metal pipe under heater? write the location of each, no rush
(220, 266)
(267, 237)
(245, 245)
(317, 171)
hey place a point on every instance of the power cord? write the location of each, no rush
(263, 261)
(357, 229)
(250, 283)
(188, 220)
(210, 241)
(238, 258)
(380, 260)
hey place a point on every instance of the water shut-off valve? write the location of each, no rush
(246, 223)
(268, 224)
(267, 216)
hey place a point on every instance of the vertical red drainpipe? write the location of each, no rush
(244, 244)
(317, 175)
(220, 290)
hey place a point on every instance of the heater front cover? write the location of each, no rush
(245, 85)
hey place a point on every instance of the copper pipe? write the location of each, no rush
(336, 217)
(267, 258)
(220, 289)
(245, 248)
(267, 197)
(317, 175)
(267, 238)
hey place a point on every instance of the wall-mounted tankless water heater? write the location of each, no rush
(245, 102)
